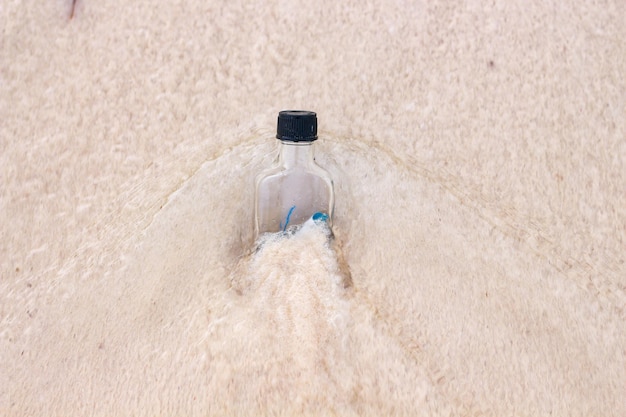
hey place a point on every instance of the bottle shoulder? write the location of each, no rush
(311, 170)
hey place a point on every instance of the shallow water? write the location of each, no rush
(419, 274)
(419, 296)
(274, 326)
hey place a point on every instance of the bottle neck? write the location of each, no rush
(295, 154)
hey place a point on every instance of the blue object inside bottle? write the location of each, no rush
(317, 217)
(320, 217)
(288, 217)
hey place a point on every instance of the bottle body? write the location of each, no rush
(292, 191)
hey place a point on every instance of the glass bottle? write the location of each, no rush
(295, 188)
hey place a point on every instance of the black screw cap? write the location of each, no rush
(297, 126)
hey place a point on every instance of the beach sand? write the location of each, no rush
(479, 158)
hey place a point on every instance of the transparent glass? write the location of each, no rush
(294, 189)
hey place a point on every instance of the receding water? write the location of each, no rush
(418, 296)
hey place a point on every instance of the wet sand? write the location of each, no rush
(478, 154)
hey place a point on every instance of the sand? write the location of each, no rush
(479, 158)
